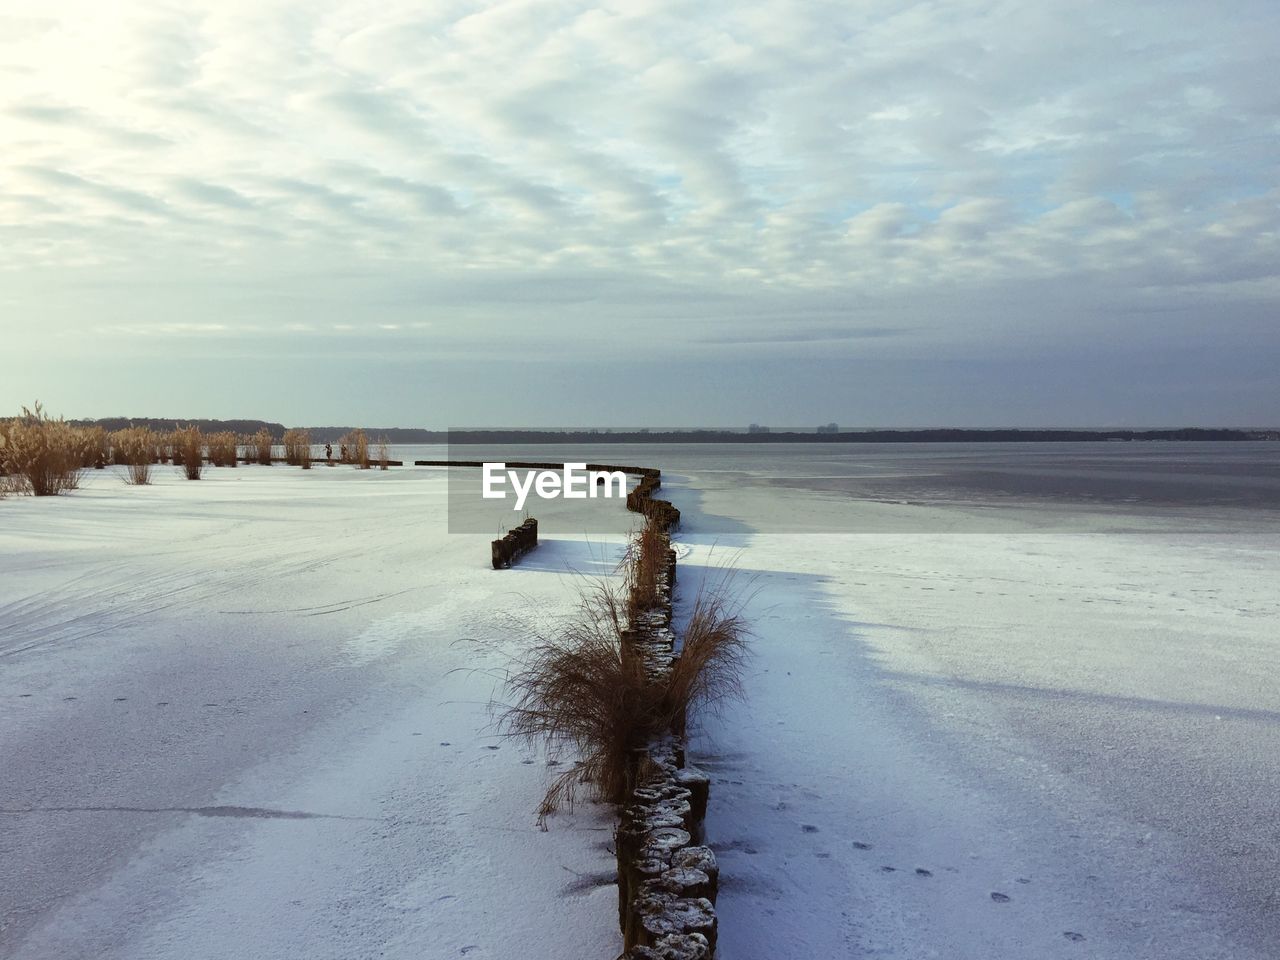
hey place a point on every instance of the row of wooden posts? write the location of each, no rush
(518, 541)
(515, 543)
(667, 878)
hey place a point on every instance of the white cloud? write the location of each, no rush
(444, 170)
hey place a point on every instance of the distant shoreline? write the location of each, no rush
(920, 435)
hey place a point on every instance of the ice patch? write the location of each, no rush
(384, 638)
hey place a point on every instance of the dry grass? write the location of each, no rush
(258, 447)
(713, 650)
(644, 566)
(223, 449)
(354, 448)
(44, 454)
(383, 453)
(297, 448)
(134, 447)
(95, 447)
(582, 689)
(188, 450)
(585, 689)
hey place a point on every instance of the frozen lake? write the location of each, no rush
(982, 485)
(1004, 703)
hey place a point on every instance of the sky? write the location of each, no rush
(546, 212)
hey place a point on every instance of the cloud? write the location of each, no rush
(555, 164)
(828, 335)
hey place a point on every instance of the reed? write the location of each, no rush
(297, 448)
(585, 689)
(257, 447)
(95, 447)
(644, 566)
(223, 449)
(46, 454)
(134, 448)
(188, 451)
(354, 448)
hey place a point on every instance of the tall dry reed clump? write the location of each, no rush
(95, 447)
(354, 448)
(188, 451)
(586, 689)
(384, 454)
(44, 454)
(223, 449)
(8, 484)
(257, 447)
(134, 447)
(644, 565)
(297, 448)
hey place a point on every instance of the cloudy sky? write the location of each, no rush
(550, 212)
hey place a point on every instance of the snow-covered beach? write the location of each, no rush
(247, 716)
(380, 383)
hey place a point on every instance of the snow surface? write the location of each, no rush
(1009, 745)
(246, 717)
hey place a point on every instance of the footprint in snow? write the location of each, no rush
(888, 869)
(1073, 936)
(922, 872)
(808, 828)
(1000, 897)
(859, 845)
(491, 746)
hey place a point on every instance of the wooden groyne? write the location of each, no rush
(542, 465)
(516, 542)
(667, 879)
(641, 500)
(322, 462)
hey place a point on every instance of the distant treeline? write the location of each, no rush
(390, 434)
(934, 435)
(166, 424)
(940, 435)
